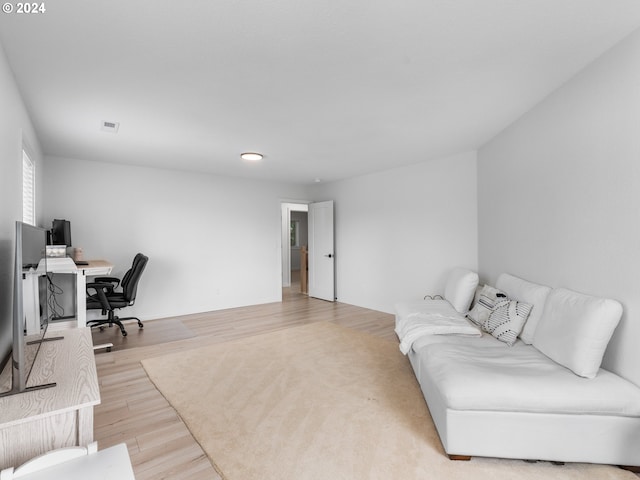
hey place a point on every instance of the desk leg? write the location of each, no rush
(81, 299)
(85, 425)
(31, 304)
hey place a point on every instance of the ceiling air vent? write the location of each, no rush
(110, 127)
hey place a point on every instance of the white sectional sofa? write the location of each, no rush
(543, 398)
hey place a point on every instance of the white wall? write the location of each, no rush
(559, 194)
(15, 131)
(213, 242)
(399, 232)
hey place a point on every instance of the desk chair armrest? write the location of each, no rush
(101, 291)
(105, 286)
(114, 280)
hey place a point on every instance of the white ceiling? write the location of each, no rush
(325, 89)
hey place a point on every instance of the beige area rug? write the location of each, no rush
(322, 402)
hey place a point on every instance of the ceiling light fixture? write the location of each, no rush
(251, 156)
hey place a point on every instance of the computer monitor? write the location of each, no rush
(61, 232)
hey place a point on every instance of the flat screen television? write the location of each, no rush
(30, 290)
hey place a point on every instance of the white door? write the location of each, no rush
(321, 254)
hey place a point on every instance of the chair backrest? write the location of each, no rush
(47, 460)
(130, 280)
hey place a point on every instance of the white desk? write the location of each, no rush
(109, 464)
(95, 267)
(62, 265)
(31, 298)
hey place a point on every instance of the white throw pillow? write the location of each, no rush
(460, 288)
(531, 293)
(487, 299)
(574, 330)
(506, 320)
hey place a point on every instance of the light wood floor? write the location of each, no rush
(133, 411)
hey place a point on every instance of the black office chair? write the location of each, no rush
(101, 295)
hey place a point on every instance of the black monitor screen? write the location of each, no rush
(61, 233)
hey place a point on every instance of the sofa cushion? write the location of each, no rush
(528, 292)
(506, 320)
(521, 379)
(487, 299)
(574, 330)
(460, 288)
(476, 342)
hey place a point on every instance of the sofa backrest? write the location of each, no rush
(575, 329)
(460, 288)
(527, 292)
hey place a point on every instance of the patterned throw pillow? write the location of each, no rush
(487, 300)
(506, 320)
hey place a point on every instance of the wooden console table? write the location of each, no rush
(38, 421)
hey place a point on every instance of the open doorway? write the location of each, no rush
(294, 246)
(299, 247)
